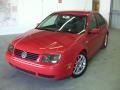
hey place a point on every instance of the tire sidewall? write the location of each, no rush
(74, 75)
(106, 37)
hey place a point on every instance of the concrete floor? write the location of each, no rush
(103, 72)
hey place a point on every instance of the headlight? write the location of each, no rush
(51, 58)
(10, 48)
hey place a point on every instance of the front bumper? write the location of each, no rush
(50, 71)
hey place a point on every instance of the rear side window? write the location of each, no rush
(100, 20)
(92, 23)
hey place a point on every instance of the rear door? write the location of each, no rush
(101, 23)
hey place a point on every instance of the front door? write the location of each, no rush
(92, 38)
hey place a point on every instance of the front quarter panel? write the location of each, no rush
(70, 55)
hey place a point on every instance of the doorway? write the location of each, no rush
(96, 5)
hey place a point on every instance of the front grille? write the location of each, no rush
(30, 56)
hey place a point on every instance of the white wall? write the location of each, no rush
(76, 5)
(88, 5)
(105, 8)
(49, 6)
(72, 5)
(31, 12)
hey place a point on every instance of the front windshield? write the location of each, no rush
(63, 23)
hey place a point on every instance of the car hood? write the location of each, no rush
(44, 41)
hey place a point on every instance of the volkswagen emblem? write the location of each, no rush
(24, 54)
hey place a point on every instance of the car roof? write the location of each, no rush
(83, 13)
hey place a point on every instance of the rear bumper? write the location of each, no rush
(50, 71)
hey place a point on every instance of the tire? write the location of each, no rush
(80, 65)
(105, 41)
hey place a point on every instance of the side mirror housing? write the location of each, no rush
(37, 24)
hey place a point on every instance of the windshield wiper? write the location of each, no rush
(42, 28)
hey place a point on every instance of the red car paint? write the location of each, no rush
(68, 45)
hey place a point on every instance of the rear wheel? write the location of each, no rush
(105, 41)
(80, 65)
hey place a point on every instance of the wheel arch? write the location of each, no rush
(83, 51)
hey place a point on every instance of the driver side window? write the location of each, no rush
(92, 23)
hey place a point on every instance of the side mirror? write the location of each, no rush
(94, 31)
(37, 24)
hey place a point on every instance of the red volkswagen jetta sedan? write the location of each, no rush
(60, 46)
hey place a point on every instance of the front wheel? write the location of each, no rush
(80, 65)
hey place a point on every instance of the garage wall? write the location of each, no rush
(105, 8)
(76, 5)
(115, 14)
(50, 6)
(30, 12)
